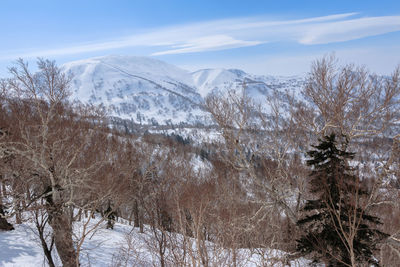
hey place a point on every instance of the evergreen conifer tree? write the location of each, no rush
(337, 229)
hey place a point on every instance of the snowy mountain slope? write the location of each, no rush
(209, 80)
(149, 91)
(256, 86)
(143, 89)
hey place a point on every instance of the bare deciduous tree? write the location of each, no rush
(63, 143)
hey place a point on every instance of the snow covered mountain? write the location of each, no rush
(149, 91)
(138, 88)
(209, 81)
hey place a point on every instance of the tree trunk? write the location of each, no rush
(18, 215)
(62, 229)
(4, 224)
(3, 189)
(79, 215)
(141, 227)
(136, 214)
(46, 249)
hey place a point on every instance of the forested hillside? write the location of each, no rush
(245, 188)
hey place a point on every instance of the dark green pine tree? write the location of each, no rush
(335, 222)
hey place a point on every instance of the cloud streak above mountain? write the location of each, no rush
(208, 43)
(235, 33)
(340, 31)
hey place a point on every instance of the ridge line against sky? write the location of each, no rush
(237, 42)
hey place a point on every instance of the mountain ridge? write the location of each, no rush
(150, 91)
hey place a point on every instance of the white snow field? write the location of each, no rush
(122, 246)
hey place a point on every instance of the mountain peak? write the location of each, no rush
(149, 91)
(134, 65)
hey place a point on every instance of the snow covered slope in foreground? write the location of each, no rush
(21, 248)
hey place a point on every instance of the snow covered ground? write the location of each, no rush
(122, 246)
(21, 247)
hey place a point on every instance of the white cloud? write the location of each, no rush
(207, 43)
(340, 31)
(236, 25)
(234, 33)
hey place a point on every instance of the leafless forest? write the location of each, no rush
(202, 202)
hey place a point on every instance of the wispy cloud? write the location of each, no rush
(346, 30)
(234, 33)
(208, 43)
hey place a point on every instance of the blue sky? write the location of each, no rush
(262, 37)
